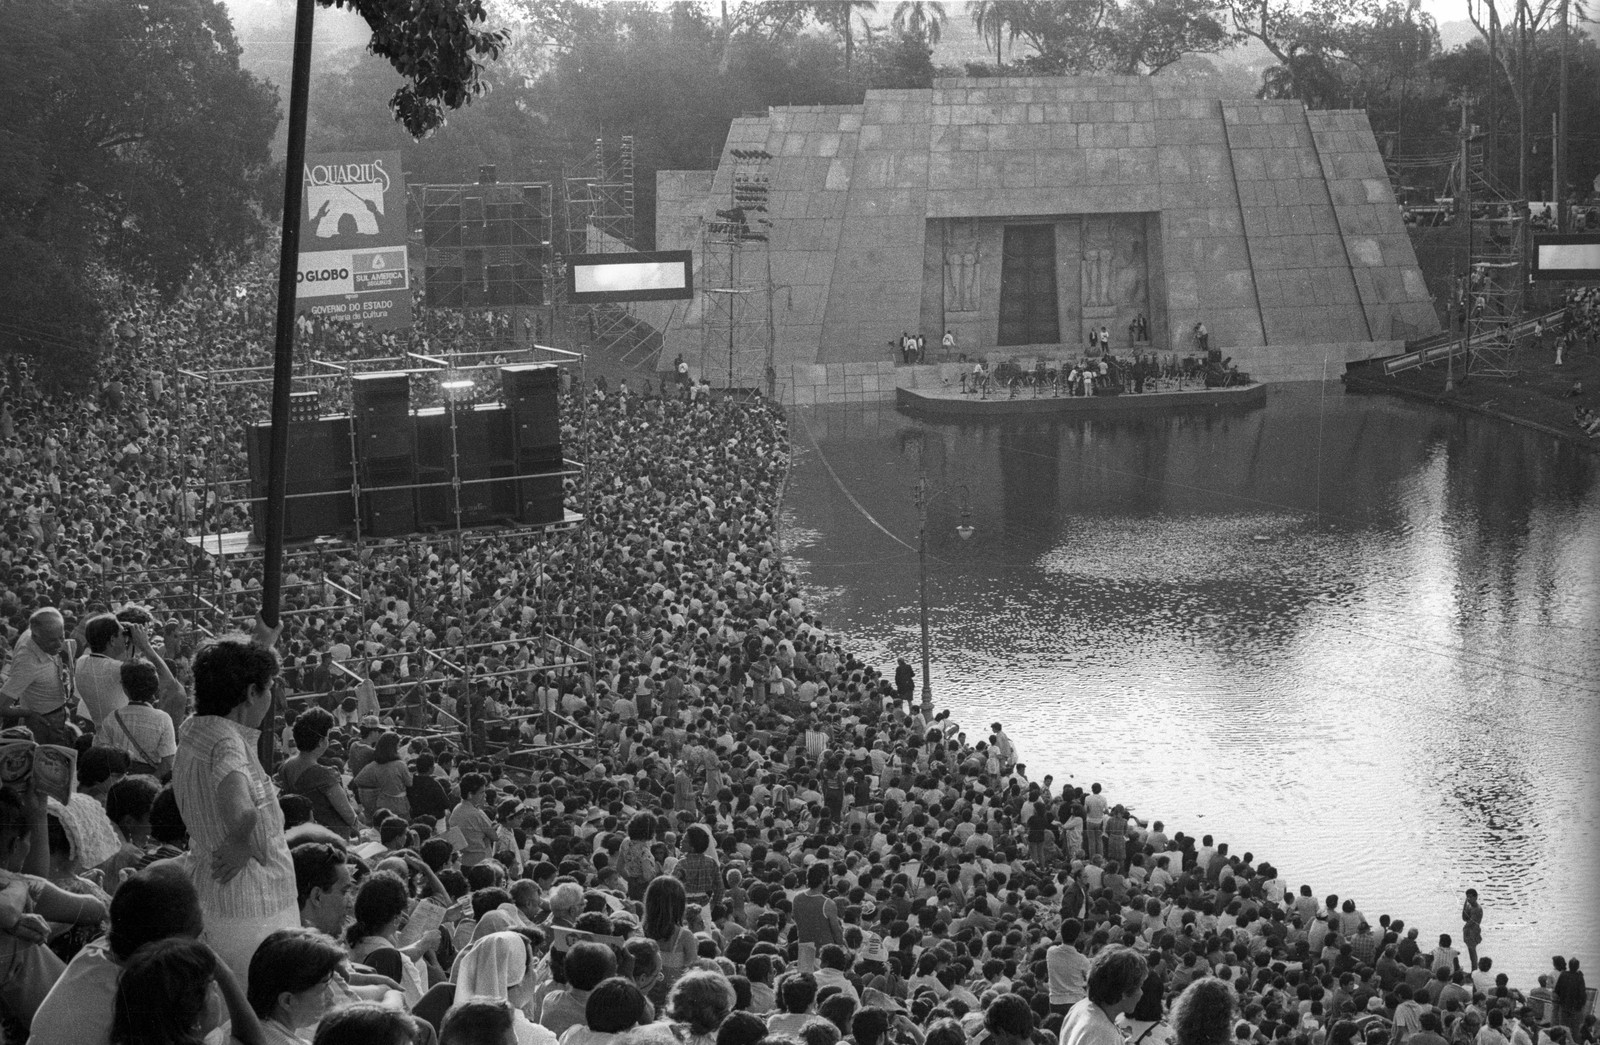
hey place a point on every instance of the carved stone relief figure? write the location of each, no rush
(1098, 258)
(961, 269)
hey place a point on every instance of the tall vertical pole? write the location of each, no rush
(1555, 169)
(1561, 127)
(1523, 31)
(1466, 262)
(922, 587)
(283, 345)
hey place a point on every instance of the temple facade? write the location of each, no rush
(1020, 214)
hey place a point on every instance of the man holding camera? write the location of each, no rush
(98, 673)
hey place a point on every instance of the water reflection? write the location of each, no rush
(1356, 635)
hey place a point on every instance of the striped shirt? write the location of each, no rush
(701, 876)
(212, 748)
(37, 681)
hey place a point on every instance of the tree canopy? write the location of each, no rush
(134, 147)
(137, 150)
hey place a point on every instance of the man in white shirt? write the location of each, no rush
(1115, 985)
(1068, 969)
(836, 962)
(39, 689)
(98, 672)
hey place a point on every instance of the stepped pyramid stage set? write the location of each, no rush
(1020, 213)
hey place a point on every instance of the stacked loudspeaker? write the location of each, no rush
(386, 451)
(507, 457)
(530, 394)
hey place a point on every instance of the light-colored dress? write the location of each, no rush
(260, 899)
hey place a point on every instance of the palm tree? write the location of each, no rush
(924, 20)
(840, 15)
(989, 18)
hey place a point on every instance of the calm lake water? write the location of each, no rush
(1356, 636)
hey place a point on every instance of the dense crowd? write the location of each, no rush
(614, 785)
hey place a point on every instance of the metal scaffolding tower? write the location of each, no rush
(599, 211)
(736, 281)
(612, 193)
(1496, 276)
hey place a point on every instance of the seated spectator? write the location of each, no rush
(98, 769)
(586, 966)
(499, 968)
(162, 996)
(380, 910)
(293, 982)
(796, 997)
(29, 970)
(481, 1021)
(1203, 1013)
(129, 804)
(368, 1023)
(614, 1006)
(157, 903)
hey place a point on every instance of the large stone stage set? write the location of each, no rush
(1020, 213)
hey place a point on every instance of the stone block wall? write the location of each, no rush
(1272, 224)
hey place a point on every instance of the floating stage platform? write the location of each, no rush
(957, 404)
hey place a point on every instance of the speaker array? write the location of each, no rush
(507, 457)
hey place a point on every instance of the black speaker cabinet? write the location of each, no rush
(319, 464)
(540, 500)
(530, 391)
(382, 407)
(381, 393)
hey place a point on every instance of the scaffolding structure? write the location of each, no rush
(1493, 285)
(214, 486)
(487, 248)
(598, 208)
(611, 196)
(211, 596)
(736, 281)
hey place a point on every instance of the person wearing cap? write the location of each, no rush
(39, 690)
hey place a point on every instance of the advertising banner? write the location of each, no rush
(353, 263)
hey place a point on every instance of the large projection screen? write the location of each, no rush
(1573, 257)
(660, 275)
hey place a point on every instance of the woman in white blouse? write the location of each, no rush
(239, 858)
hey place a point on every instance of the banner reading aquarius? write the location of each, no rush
(353, 263)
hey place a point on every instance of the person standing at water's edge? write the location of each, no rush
(1571, 994)
(905, 681)
(1472, 926)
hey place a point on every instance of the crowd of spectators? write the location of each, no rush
(615, 785)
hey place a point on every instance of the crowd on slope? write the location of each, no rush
(727, 828)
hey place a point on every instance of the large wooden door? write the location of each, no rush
(1028, 308)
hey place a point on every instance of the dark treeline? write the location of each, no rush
(137, 149)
